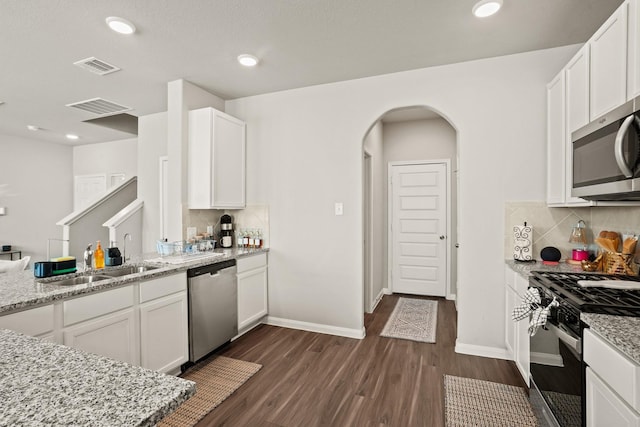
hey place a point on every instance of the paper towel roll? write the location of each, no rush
(523, 243)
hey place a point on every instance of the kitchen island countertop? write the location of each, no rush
(49, 384)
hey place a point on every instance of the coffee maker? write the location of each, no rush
(226, 231)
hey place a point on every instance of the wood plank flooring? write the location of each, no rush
(311, 379)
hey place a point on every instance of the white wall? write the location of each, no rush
(107, 158)
(424, 140)
(152, 144)
(311, 140)
(182, 97)
(36, 182)
(373, 145)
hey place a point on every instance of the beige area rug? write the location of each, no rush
(413, 319)
(470, 402)
(216, 380)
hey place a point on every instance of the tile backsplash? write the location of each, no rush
(251, 217)
(552, 226)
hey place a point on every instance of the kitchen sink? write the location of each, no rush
(80, 280)
(117, 272)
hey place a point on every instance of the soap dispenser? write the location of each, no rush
(98, 256)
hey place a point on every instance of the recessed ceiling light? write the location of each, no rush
(248, 60)
(120, 25)
(485, 8)
(33, 128)
(72, 136)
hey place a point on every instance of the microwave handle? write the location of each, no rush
(620, 160)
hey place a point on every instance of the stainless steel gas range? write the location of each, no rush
(557, 369)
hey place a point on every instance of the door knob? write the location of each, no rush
(441, 237)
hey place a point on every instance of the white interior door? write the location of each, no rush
(418, 194)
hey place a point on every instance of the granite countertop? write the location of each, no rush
(622, 332)
(50, 384)
(21, 289)
(525, 268)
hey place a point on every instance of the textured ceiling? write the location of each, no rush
(300, 42)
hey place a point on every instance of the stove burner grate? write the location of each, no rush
(591, 299)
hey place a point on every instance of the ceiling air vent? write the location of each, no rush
(99, 106)
(96, 66)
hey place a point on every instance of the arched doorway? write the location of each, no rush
(405, 136)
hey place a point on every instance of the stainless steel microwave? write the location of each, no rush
(606, 156)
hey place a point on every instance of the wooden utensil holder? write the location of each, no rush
(618, 263)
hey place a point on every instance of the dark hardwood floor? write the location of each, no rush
(311, 379)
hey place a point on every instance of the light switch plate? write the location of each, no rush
(339, 208)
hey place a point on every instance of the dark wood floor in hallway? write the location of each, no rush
(311, 379)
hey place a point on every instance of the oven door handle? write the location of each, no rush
(618, 148)
(566, 337)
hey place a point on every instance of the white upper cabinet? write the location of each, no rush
(216, 160)
(577, 82)
(633, 57)
(556, 145)
(608, 50)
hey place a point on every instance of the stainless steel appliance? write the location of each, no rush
(606, 156)
(213, 307)
(557, 371)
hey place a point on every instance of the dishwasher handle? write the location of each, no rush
(210, 268)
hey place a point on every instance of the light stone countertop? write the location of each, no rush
(21, 290)
(622, 332)
(50, 384)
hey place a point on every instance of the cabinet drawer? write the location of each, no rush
(32, 322)
(251, 262)
(94, 305)
(162, 286)
(621, 373)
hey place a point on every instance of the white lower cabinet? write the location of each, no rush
(144, 324)
(511, 301)
(35, 322)
(517, 333)
(612, 384)
(605, 407)
(113, 336)
(103, 323)
(252, 291)
(164, 339)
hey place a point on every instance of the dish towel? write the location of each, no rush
(539, 317)
(530, 301)
(531, 304)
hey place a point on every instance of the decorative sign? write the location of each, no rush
(523, 244)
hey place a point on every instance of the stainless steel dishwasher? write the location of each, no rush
(213, 307)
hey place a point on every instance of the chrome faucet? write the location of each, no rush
(124, 246)
(88, 258)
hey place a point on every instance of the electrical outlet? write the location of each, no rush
(339, 208)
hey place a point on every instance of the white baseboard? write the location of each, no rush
(482, 351)
(451, 297)
(547, 359)
(377, 301)
(387, 291)
(316, 327)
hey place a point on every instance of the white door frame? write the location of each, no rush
(447, 164)
(368, 232)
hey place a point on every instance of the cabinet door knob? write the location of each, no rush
(441, 237)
